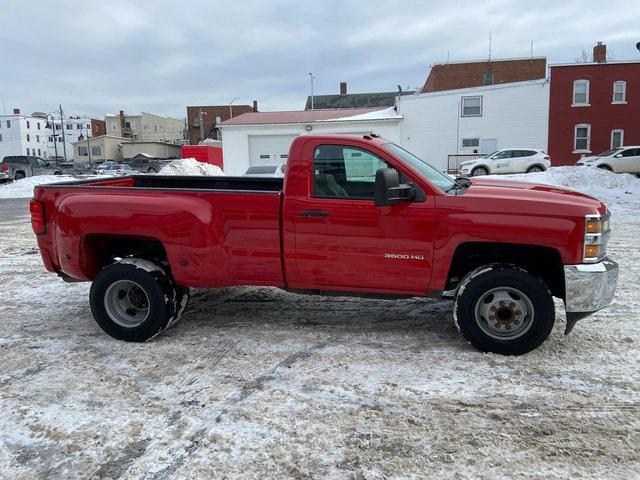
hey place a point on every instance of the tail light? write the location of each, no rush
(37, 217)
(5, 167)
(547, 157)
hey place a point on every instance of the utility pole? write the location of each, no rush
(201, 125)
(64, 141)
(311, 77)
(53, 133)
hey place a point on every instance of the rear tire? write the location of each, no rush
(19, 176)
(134, 300)
(478, 171)
(152, 170)
(504, 309)
(534, 169)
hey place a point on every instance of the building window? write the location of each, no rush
(88, 126)
(78, 126)
(28, 137)
(487, 79)
(619, 92)
(27, 150)
(38, 125)
(82, 151)
(617, 138)
(28, 124)
(113, 126)
(39, 154)
(8, 123)
(69, 126)
(582, 138)
(581, 92)
(37, 138)
(0, 137)
(96, 151)
(470, 142)
(472, 106)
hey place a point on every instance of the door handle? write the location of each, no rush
(314, 213)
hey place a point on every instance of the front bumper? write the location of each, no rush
(588, 288)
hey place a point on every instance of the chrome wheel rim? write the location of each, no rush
(126, 303)
(535, 169)
(504, 313)
(479, 172)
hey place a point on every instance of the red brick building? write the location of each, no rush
(454, 75)
(593, 107)
(212, 116)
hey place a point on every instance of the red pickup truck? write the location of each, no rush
(354, 215)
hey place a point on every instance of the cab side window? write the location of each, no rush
(502, 155)
(345, 172)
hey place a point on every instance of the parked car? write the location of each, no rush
(115, 169)
(147, 165)
(17, 167)
(507, 160)
(619, 160)
(354, 215)
(265, 171)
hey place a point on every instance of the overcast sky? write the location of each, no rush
(160, 56)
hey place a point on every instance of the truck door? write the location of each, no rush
(502, 162)
(343, 241)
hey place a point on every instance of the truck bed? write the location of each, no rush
(239, 184)
(213, 231)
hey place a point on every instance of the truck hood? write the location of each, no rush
(517, 192)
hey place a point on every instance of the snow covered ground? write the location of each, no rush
(259, 383)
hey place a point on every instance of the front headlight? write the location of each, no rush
(596, 237)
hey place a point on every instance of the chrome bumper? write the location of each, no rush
(588, 288)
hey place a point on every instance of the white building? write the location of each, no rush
(474, 120)
(430, 125)
(145, 127)
(23, 135)
(263, 138)
(75, 129)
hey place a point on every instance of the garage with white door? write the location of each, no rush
(258, 139)
(269, 149)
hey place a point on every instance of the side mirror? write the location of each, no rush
(389, 190)
(619, 155)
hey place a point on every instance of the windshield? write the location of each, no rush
(442, 181)
(609, 152)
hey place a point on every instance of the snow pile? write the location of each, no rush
(24, 188)
(619, 191)
(191, 167)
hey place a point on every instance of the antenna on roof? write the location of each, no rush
(531, 49)
(447, 57)
(489, 45)
(399, 88)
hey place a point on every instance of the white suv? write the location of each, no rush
(507, 160)
(619, 160)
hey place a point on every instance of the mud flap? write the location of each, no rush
(572, 319)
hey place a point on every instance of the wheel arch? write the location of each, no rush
(543, 262)
(101, 250)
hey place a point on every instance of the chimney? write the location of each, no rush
(16, 111)
(343, 88)
(255, 105)
(600, 53)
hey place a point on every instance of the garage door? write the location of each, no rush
(269, 149)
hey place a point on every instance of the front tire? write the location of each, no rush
(134, 300)
(504, 309)
(605, 167)
(478, 171)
